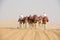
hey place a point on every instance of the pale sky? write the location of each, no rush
(11, 9)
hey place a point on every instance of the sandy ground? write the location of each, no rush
(29, 34)
(9, 31)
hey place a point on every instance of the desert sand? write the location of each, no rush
(9, 31)
(29, 34)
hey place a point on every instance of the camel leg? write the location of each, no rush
(31, 25)
(39, 24)
(22, 25)
(44, 26)
(35, 25)
(27, 25)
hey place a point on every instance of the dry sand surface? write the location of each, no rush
(29, 34)
(9, 31)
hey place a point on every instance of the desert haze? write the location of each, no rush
(9, 31)
(15, 24)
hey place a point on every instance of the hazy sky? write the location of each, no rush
(11, 9)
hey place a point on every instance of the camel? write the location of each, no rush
(40, 20)
(26, 22)
(20, 22)
(30, 21)
(33, 21)
(44, 21)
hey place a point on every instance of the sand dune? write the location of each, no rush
(29, 34)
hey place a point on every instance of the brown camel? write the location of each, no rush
(44, 21)
(40, 20)
(21, 22)
(35, 20)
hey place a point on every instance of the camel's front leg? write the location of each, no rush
(44, 26)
